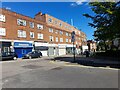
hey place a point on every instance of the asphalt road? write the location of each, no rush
(44, 73)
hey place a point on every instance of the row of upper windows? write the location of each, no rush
(39, 26)
(22, 34)
(51, 38)
(23, 23)
(60, 32)
(59, 23)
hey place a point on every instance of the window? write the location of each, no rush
(39, 26)
(51, 38)
(56, 39)
(61, 32)
(21, 22)
(76, 42)
(21, 33)
(31, 24)
(49, 20)
(2, 18)
(40, 36)
(6, 49)
(23, 51)
(55, 22)
(69, 40)
(69, 34)
(56, 32)
(31, 34)
(2, 31)
(60, 24)
(50, 30)
(65, 26)
(66, 40)
(66, 34)
(61, 39)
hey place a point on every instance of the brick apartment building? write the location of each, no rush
(23, 34)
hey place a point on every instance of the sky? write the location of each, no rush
(64, 11)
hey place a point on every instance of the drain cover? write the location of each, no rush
(32, 66)
(57, 68)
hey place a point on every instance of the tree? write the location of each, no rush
(106, 21)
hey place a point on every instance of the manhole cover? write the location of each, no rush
(32, 66)
(57, 68)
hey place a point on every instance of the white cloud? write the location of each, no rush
(79, 2)
(8, 8)
(73, 4)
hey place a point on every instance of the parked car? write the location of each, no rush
(33, 54)
(8, 55)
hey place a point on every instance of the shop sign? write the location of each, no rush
(22, 44)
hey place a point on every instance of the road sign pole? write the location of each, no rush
(73, 40)
(73, 52)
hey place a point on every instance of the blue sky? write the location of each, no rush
(62, 10)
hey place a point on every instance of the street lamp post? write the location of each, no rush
(74, 52)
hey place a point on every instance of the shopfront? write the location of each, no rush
(5, 46)
(62, 49)
(22, 48)
(43, 47)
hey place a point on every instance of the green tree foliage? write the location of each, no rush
(106, 20)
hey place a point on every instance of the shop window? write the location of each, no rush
(2, 18)
(6, 49)
(23, 51)
(21, 22)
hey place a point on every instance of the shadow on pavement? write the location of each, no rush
(87, 61)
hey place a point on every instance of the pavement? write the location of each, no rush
(46, 73)
(90, 61)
